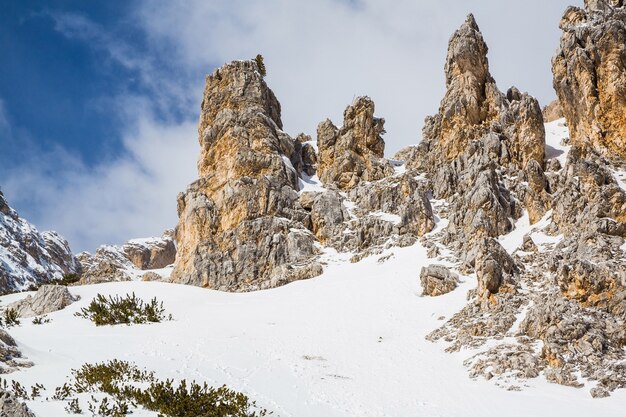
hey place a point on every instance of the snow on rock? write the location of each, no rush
(28, 256)
(131, 261)
(557, 139)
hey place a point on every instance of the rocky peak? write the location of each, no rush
(236, 97)
(130, 261)
(590, 74)
(355, 152)
(472, 98)
(28, 256)
(244, 206)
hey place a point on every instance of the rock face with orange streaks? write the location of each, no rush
(590, 75)
(241, 226)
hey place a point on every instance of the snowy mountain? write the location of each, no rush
(481, 272)
(29, 257)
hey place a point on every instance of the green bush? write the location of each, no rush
(123, 310)
(261, 65)
(41, 320)
(122, 381)
(10, 318)
(68, 279)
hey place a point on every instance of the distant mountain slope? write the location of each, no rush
(28, 256)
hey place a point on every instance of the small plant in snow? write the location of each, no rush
(126, 386)
(73, 407)
(11, 318)
(123, 310)
(41, 320)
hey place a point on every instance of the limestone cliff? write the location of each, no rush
(590, 75)
(240, 224)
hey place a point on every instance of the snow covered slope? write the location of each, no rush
(349, 343)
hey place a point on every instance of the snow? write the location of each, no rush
(145, 241)
(350, 342)
(620, 178)
(288, 163)
(514, 240)
(388, 217)
(311, 184)
(556, 131)
(399, 167)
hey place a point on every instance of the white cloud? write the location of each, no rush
(134, 195)
(320, 54)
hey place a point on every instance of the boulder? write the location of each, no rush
(438, 280)
(12, 407)
(47, 299)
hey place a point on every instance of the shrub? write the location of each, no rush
(261, 65)
(73, 407)
(10, 318)
(68, 279)
(20, 391)
(123, 310)
(122, 381)
(41, 320)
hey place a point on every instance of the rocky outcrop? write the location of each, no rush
(590, 75)
(570, 288)
(28, 256)
(480, 147)
(129, 261)
(10, 406)
(552, 112)
(10, 356)
(151, 253)
(438, 280)
(240, 225)
(355, 152)
(473, 106)
(47, 299)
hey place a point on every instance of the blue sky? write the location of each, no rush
(53, 87)
(99, 99)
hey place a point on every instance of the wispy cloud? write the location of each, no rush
(166, 86)
(320, 54)
(134, 195)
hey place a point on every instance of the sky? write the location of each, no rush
(99, 101)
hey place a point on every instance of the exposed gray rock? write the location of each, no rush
(153, 253)
(355, 152)
(12, 407)
(590, 76)
(240, 226)
(47, 299)
(438, 280)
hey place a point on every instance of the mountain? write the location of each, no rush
(479, 272)
(28, 257)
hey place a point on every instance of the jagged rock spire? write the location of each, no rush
(355, 152)
(240, 225)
